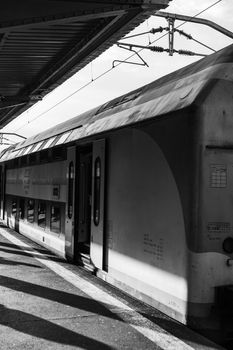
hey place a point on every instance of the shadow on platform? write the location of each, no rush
(44, 329)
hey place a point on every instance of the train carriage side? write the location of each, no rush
(119, 201)
(211, 280)
(141, 193)
(148, 185)
(35, 197)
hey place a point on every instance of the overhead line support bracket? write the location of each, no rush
(129, 48)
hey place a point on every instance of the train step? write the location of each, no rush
(84, 260)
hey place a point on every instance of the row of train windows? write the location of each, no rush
(44, 156)
(27, 210)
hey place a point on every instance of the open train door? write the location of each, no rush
(97, 251)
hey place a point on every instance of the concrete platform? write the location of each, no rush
(47, 303)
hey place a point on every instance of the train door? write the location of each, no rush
(70, 208)
(90, 249)
(83, 205)
(99, 251)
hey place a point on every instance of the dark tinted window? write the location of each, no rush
(44, 156)
(14, 163)
(14, 207)
(70, 189)
(55, 218)
(21, 208)
(97, 179)
(31, 210)
(42, 214)
(32, 158)
(23, 161)
(59, 153)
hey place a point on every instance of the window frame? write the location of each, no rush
(31, 221)
(97, 191)
(45, 213)
(70, 189)
(55, 205)
(21, 212)
(14, 199)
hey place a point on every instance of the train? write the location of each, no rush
(139, 191)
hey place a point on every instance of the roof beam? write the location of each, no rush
(60, 19)
(117, 2)
(81, 51)
(84, 29)
(111, 9)
(15, 101)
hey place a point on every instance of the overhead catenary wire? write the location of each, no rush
(129, 46)
(180, 25)
(111, 68)
(206, 46)
(190, 37)
(156, 49)
(151, 31)
(161, 29)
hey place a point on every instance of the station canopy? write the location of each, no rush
(44, 42)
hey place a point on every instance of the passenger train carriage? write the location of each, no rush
(140, 190)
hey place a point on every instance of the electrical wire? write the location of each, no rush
(180, 25)
(190, 37)
(67, 97)
(206, 46)
(199, 13)
(110, 69)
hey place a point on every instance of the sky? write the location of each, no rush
(126, 77)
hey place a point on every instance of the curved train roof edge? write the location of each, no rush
(174, 91)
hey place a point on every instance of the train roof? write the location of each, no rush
(172, 92)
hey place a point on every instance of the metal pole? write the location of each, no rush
(206, 22)
(171, 22)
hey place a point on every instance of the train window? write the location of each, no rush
(21, 208)
(44, 156)
(70, 189)
(55, 218)
(13, 163)
(97, 178)
(32, 158)
(16, 162)
(37, 146)
(28, 149)
(23, 161)
(42, 214)
(49, 142)
(59, 153)
(63, 137)
(10, 164)
(31, 210)
(14, 207)
(20, 153)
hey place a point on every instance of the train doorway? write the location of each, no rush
(90, 248)
(83, 205)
